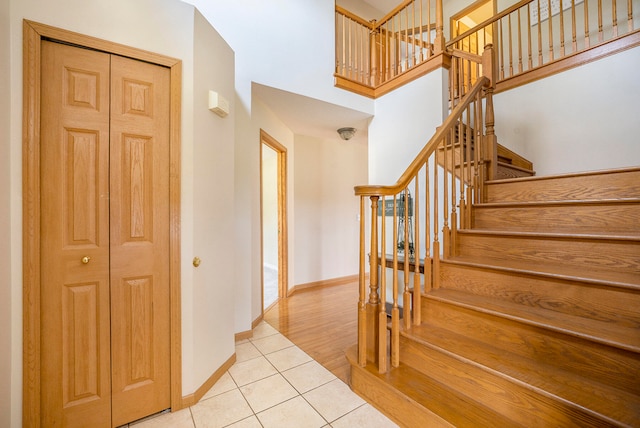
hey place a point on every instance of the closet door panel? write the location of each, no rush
(75, 324)
(139, 239)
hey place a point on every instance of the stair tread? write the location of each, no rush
(544, 378)
(607, 334)
(519, 168)
(457, 408)
(597, 255)
(592, 185)
(557, 203)
(603, 217)
(551, 235)
(513, 158)
(619, 279)
(568, 175)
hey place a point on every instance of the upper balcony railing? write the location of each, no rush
(373, 53)
(528, 37)
(532, 34)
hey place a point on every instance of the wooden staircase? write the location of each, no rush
(509, 163)
(536, 321)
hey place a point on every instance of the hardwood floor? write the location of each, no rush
(320, 321)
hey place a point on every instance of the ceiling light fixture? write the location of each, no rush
(346, 133)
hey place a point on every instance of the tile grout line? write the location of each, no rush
(279, 372)
(300, 394)
(284, 361)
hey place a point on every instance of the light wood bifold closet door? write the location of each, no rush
(104, 238)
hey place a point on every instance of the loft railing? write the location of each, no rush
(353, 46)
(530, 41)
(414, 223)
(372, 53)
(532, 34)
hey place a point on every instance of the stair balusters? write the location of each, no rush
(445, 164)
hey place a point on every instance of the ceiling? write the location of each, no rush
(310, 116)
(385, 6)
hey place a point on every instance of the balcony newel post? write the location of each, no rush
(438, 42)
(373, 49)
(374, 298)
(490, 143)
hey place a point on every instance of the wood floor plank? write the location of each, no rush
(322, 322)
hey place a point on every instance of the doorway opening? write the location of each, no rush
(470, 17)
(273, 214)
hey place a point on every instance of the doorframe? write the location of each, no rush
(33, 33)
(283, 261)
(466, 11)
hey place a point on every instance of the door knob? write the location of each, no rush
(86, 260)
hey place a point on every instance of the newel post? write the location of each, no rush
(374, 298)
(490, 141)
(438, 42)
(362, 292)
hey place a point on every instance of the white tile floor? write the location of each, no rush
(274, 384)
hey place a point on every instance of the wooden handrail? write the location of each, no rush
(466, 55)
(354, 17)
(428, 149)
(394, 12)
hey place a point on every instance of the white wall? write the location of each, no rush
(404, 121)
(285, 44)
(327, 234)
(250, 119)
(213, 207)
(7, 402)
(165, 27)
(579, 120)
(362, 9)
(247, 213)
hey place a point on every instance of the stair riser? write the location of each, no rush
(515, 401)
(614, 185)
(615, 219)
(617, 306)
(590, 254)
(397, 406)
(599, 362)
(404, 413)
(507, 171)
(414, 399)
